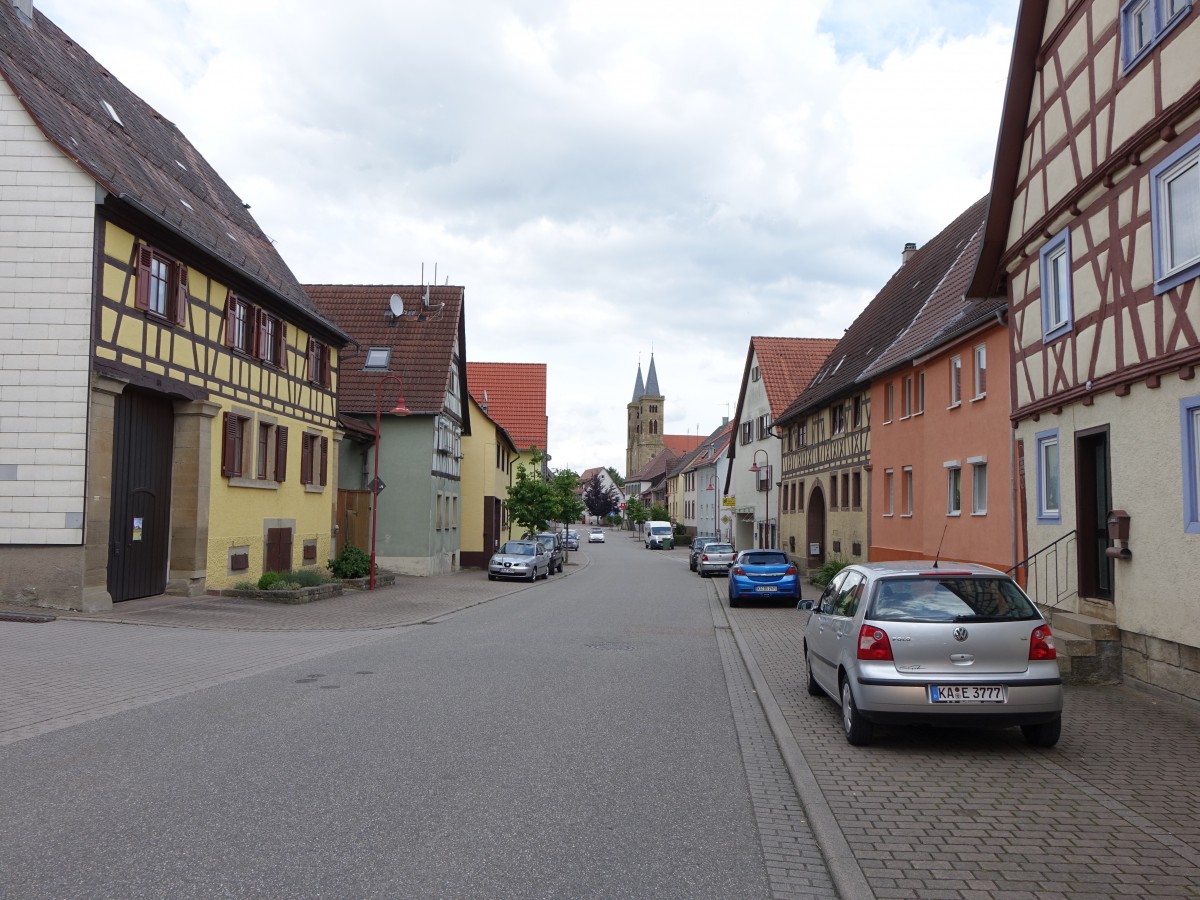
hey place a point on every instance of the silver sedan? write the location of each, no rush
(527, 560)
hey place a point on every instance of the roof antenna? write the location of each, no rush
(939, 549)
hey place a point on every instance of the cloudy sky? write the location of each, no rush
(606, 179)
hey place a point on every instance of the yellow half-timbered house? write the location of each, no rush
(168, 412)
(1094, 236)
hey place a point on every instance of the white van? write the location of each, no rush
(659, 536)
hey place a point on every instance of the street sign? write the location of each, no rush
(376, 486)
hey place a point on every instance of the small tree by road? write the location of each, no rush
(532, 502)
(600, 499)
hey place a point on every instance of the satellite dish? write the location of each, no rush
(396, 306)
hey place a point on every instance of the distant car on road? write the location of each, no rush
(933, 644)
(699, 544)
(596, 536)
(764, 574)
(572, 540)
(715, 558)
(527, 560)
(554, 547)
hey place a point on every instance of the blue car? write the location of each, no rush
(766, 574)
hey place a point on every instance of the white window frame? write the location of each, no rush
(907, 474)
(889, 492)
(1057, 300)
(906, 397)
(920, 397)
(953, 487)
(955, 382)
(1170, 272)
(889, 403)
(979, 485)
(979, 357)
(1047, 514)
(1189, 421)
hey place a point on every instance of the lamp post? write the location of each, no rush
(376, 485)
(756, 468)
(712, 486)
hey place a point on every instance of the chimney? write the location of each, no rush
(24, 10)
(909, 251)
(484, 404)
(724, 421)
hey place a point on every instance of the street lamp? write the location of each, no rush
(376, 485)
(756, 468)
(712, 486)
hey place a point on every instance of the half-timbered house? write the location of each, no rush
(167, 389)
(1094, 238)
(826, 429)
(489, 454)
(410, 351)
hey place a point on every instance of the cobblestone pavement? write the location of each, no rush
(958, 814)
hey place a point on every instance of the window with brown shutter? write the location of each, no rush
(318, 363)
(306, 449)
(281, 440)
(240, 321)
(324, 461)
(181, 294)
(233, 445)
(162, 286)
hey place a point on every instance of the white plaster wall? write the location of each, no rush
(47, 216)
(1158, 591)
(743, 484)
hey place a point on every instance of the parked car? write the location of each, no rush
(527, 560)
(660, 536)
(554, 546)
(572, 540)
(699, 544)
(715, 558)
(935, 644)
(764, 574)
(596, 536)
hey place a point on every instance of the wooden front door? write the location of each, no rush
(491, 525)
(279, 550)
(354, 519)
(140, 523)
(816, 528)
(1093, 499)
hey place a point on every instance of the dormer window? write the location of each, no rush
(378, 358)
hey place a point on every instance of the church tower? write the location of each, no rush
(644, 426)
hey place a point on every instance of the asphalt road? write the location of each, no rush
(573, 740)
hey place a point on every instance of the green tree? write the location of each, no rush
(635, 512)
(599, 499)
(658, 513)
(616, 476)
(533, 503)
(568, 506)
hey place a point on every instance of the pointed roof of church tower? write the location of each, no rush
(639, 388)
(652, 380)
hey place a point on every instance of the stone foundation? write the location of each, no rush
(1167, 669)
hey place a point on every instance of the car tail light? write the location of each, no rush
(704, 558)
(1041, 644)
(738, 570)
(873, 643)
(791, 570)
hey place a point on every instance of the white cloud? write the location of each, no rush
(623, 175)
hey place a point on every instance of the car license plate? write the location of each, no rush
(968, 693)
(765, 589)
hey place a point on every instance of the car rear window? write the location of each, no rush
(718, 548)
(951, 600)
(764, 559)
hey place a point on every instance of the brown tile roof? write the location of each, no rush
(888, 315)
(946, 315)
(422, 342)
(787, 365)
(145, 162)
(711, 448)
(516, 398)
(656, 468)
(681, 444)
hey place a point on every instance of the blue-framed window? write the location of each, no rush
(1049, 485)
(1189, 427)
(1144, 23)
(1056, 286)
(1175, 213)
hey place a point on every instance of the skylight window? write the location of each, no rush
(181, 165)
(112, 113)
(378, 358)
(185, 203)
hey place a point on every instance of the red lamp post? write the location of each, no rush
(712, 486)
(756, 468)
(376, 485)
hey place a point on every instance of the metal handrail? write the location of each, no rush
(1049, 574)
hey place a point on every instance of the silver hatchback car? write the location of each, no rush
(933, 643)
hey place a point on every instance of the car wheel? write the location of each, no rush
(491, 577)
(734, 600)
(813, 688)
(858, 730)
(1043, 734)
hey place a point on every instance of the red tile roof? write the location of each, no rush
(422, 342)
(787, 365)
(682, 444)
(516, 398)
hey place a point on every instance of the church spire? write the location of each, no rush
(651, 380)
(640, 388)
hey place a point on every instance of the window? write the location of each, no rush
(1190, 426)
(802, 434)
(764, 426)
(906, 398)
(980, 371)
(272, 339)
(378, 358)
(845, 490)
(318, 363)
(978, 487)
(856, 486)
(955, 381)
(754, 374)
(800, 496)
(908, 491)
(889, 492)
(314, 460)
(1056, 286)
(162, 285)
(888, 401)
(920, 393)
(240, 322)
(837, 419)
(858, 412)
(234, 447)
(1048, 511)
(1175, 214)
(1146, 22)
(953, 488)
(747, 432)
(833, 489)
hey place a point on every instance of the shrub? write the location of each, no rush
(828, 570)
(292, 581)
(267, 579)
(283, 585)
(351, 563)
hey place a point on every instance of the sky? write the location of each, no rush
(607, 180)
